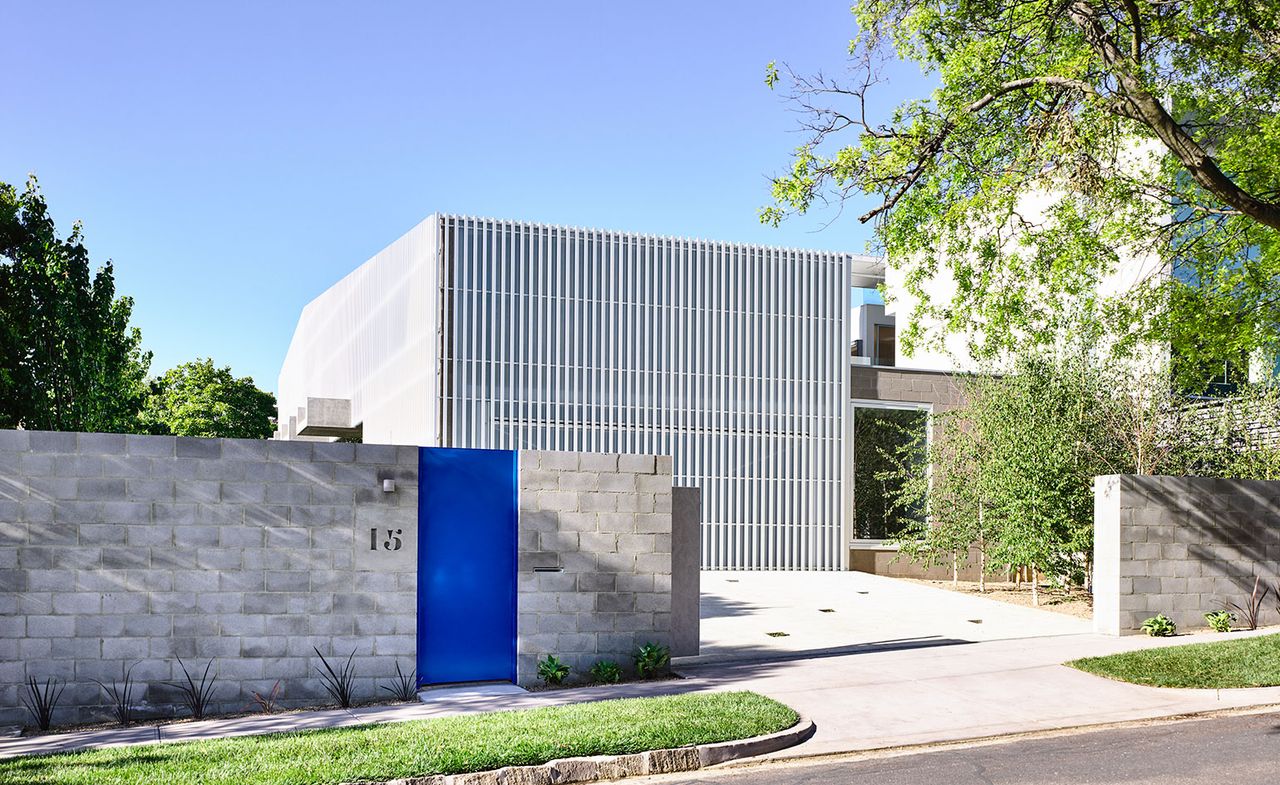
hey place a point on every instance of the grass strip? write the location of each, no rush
(446, 745)
(1224, 664)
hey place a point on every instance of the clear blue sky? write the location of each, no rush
(235, 159)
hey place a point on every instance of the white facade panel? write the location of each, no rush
(730, 358)
(370, 338)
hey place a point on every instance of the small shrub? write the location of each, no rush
(1252, 609)
(1159, 626)
(651, 660)
(606, 672)
(197, 697)
(340, 682)
(551, 670)
(269, 703)
(120, 697)
(41, 701)
(1220, 621)
(404, 687)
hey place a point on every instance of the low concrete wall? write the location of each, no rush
(883, 559)
(121, 552)
(132, 551)
(594, 558)
(1181, 546)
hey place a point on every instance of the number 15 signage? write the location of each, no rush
(386, 538)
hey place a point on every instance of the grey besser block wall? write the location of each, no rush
(904, 385)
(136, 550)
(686, 590)
(1181, 546)
(594, 567)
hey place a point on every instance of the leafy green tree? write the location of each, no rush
(1064, 136)
(1010, 475)
(69, 361)
(199, 399)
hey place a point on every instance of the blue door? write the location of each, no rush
(466, 565)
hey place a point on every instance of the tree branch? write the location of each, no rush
(1135, 19)
(933, 146)
(1151, 112)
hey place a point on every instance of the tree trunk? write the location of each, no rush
(982, 554)
(1035, 586)
(1146, 108)
(955, 571)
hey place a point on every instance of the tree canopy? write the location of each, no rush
(1010, 472)
(70, 361)
(68, 358)
(200, 399)
(1064, 136)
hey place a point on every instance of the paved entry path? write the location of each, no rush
(822, 613)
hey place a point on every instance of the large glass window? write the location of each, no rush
(886, 340)
(883, 440)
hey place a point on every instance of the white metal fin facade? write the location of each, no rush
(731, 358)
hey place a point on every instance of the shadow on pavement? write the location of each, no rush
(761, 654)
(714, 606)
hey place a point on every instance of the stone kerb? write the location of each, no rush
(594, 557)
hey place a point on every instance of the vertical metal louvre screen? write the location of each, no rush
(730, 358)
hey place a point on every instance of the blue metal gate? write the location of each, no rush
(466, 565)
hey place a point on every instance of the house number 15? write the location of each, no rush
(390, 543)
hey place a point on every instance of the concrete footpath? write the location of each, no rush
(874, 662)
(860, 700)
(942, 693)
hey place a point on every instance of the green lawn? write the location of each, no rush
(447, 745)
(1234, 662)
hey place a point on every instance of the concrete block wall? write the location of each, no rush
(902, 385)
(594, 567)
(686, 580)
(137, 550)
(1181, 546)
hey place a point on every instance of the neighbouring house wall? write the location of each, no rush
(594, 558)
(1181, 546)
(119, 551)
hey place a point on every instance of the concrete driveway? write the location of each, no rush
(897, 663)
(825, 613)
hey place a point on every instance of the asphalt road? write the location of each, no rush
(1241, 750)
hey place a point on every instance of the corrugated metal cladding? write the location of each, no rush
(728, 357)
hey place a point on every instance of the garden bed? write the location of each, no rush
(446, 745)
(1070, 602)
(1222, 664)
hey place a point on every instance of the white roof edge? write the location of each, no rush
(865, 258)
